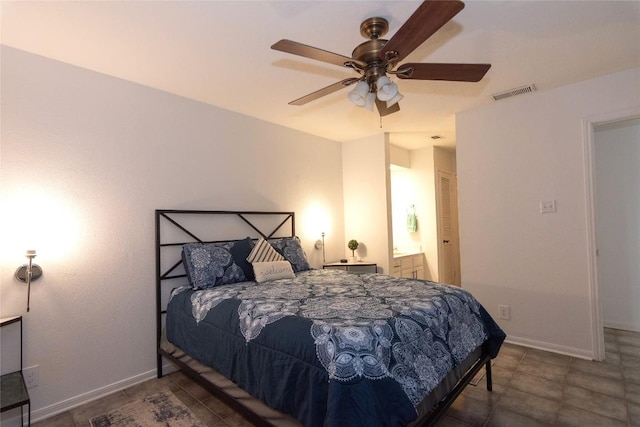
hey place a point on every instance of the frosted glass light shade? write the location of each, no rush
(359, 94)
(386, 89)
(370, 100)
(395, 99)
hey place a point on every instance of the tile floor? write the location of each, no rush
(530, 388)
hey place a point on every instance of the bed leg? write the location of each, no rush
(159, 372)
(489, 382)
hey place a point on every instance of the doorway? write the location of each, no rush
(617, 200)
(609, 163)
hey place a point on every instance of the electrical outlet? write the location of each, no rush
(547, 206)
(31, 376)
(505, 312)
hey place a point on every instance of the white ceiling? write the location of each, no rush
(218, 52)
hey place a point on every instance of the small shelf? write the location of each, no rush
(9, 320)
(13, 390)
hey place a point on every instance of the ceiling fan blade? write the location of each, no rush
(430, 16)
(383, 110)
(324, 91)
(295, 48)
(449, 72)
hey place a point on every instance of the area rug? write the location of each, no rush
(159, 409)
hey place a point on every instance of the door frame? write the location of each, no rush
(588, 125)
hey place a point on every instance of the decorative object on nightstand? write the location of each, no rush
(13, 390)
(353, 245)
(27, 273)
(320, 244)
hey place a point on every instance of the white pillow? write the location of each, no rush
(267, 271)
(263, 251)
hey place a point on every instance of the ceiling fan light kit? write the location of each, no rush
(377, 57)
(364, 95)
(358, 95)
(386, 88)
(393, 101)
(371, 99)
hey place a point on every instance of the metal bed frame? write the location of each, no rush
(228, 392)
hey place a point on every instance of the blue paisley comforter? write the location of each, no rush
(332, 348)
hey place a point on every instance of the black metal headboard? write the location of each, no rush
(174, 228)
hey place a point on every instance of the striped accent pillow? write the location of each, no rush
(264, 252)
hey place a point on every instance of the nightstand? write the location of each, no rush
(13, 391)
(356, 267)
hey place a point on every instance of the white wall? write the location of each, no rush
(423, 168)
(367, 212)
(617, 188)
(85, 160)
(510, 155)
(444, 160)
(399, 156)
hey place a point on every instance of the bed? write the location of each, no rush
(287, 345)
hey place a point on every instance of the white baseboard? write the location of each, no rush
(71, 403)
(626, 326)
(553, 348)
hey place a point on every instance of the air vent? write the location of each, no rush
(513, 92)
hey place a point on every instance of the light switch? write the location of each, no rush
(547, 206)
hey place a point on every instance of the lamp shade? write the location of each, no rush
(359, 94)
(369, 101)
(395, 99)
(386, 88)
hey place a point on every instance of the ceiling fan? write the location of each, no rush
(377, 57)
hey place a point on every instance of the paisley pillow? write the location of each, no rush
(213, 264)
(292, 251)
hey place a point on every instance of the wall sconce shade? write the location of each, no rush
(320, 244)
(29, 272)
(21, 272)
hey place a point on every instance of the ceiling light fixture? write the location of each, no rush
(386, 88)
(382, 88)
(358, 96)
(395, 99)
(376, 58)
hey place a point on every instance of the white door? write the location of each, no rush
(447, 219)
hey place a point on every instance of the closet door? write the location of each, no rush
(447, 218)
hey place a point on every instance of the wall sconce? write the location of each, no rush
(29, 272)
(320, 244)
